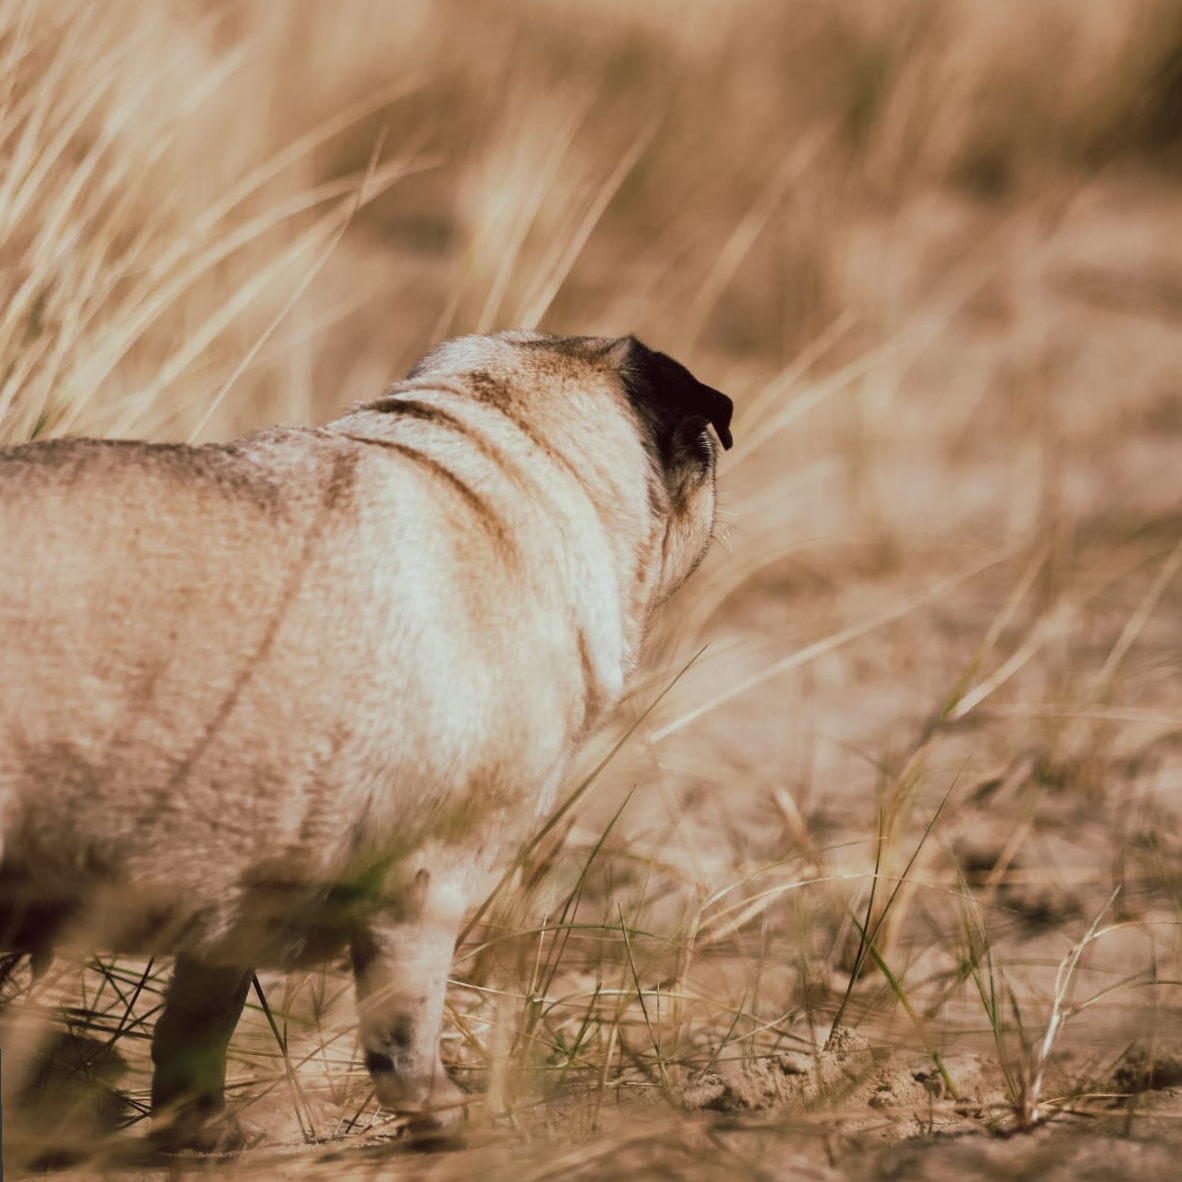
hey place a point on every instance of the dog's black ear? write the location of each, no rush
(668, 398)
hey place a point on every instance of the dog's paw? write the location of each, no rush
(222, 1136)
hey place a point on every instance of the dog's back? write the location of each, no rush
(243, 667)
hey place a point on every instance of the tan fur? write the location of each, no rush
(314, 686)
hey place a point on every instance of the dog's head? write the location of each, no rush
(675, 414)
(635, 423)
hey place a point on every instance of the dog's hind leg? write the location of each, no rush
(202, 1006)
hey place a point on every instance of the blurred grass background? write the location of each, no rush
(698, 172)
(933, 248)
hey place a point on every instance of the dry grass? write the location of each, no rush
(925, 775)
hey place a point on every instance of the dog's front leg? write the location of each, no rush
(401, 960)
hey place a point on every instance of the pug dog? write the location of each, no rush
(311, 688)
